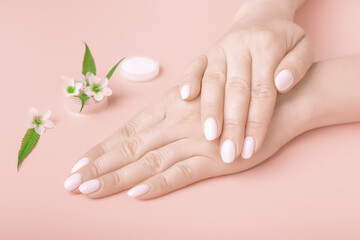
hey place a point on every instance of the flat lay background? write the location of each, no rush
(309, 190)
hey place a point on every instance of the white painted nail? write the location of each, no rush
(72, 182)
(185, 91)
(228, 151)
(82, 162)
(210, 129)
(284, 80)
(138, 190)
(248, 147)
(90, 186)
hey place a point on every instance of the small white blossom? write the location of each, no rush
(98, 87)
(72, 87)
(39, 121)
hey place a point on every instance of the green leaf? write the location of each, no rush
(108, 76)
(83, 97)
(88, 63)
(28, 143)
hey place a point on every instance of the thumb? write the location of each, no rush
(191, 81)
(293, 66)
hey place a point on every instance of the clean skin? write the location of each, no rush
(264, 52)
(163, 148)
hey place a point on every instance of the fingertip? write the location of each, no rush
(248, 148)
(188, 92)
(185, 91)
(284, 81)
(211, 129)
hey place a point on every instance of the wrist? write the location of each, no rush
(327, 95)
(267, 9)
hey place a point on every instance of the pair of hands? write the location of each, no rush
(163, 149)
(241, 74)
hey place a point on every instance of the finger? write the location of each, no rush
(294, 66)
(237, 99)
(212, 97)
(262, 102)
(149, 165)
(178, 176)
(146, 118)
(191, 81)
(129, 150)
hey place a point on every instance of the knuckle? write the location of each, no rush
(214, 76)
(184, 170)
(254, 124)
(131, 148)
(114, 179)
(263, 91)
(96, 169)
(232, 124)
(162, 182)
(129, 129)
(238, 85)
(154, 160)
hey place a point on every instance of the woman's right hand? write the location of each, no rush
(162, 149)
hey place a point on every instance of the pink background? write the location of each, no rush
(309, 190)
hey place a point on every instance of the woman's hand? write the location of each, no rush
(264, 52)
(162, 148)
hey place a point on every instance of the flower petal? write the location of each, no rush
(48, 124)
(88, 74)
(98, 97)
(40, 129)
(89, 92)
(46, 115)
(103, 82)
(92, 78)
(78, 85)
(33, 112)
(106, 91)
(76, 93)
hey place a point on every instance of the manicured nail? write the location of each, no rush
(284, 80)
(90, 186)
(228, 151)
(210, 129)
(248, 147)
(185, 91)
(138, 190)
(72, 182)
(82, 162)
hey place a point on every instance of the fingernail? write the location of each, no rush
(72, 182)
(90, 186)
(210, 129)
(185, 91)
(248, 147)
(228, 151)
(82, 162)
(284, 80)
(138, 190)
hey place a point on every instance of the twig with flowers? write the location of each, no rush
(89, 85)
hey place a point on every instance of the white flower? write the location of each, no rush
(72, 87)
(97, 87)
(39, 121)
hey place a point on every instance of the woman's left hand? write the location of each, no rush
(163, 149)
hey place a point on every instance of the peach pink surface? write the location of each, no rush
(309, 190)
